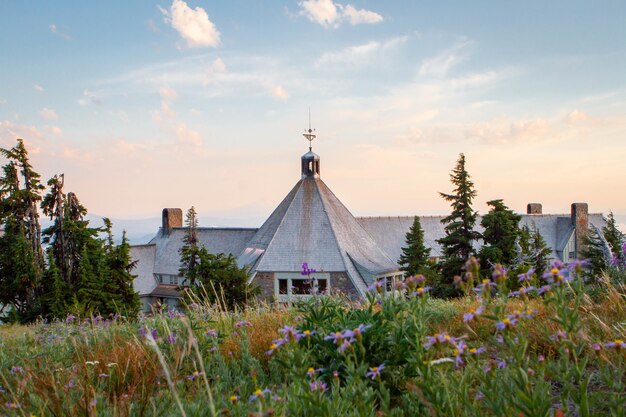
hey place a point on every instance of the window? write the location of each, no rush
(282, 286)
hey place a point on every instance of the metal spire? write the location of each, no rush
(308, 134)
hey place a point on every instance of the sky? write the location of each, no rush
(171, 103)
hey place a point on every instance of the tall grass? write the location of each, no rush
(412, 356)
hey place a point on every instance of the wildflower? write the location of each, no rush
(499, 274)
(617, 344)
(273, 347)
(501, 364)
(242, 323)
(439, 338)
(526, 276)
(473, 313)
(171, 338)
(93, 363)
(414, 281)
(12, 405)
(336, 337)
(70, 318)
(560, 335)
(597, 347)
(377, 286)
(291, 333)
(459, 350)
(577, 265)
(318, 386)
(142, 331)
(484, 286)
(420, 292)
(213, 349)
(306, 270)
(541, 358)
(311, 372)
(506, 323)
(258, 393)
(358, 332)
(103, 375)
(233, 398)
(479, 396)
(557, 276)
(154, 334)
(308, 333)
(335, 374)
(195, 375)
(93, 402)
(69, 385)
(212, 333)
(529, 313)
(16, 370)
(476, 351)
(544, 289)
(375, 371)
(486, 369)
(346, 344)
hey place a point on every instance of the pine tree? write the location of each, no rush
(457, 244)
(414, 257)
(501, 233)
(614, 237)
(120, 278)
(594, 252)
(21, 255)
(540, 253)
(189, 252)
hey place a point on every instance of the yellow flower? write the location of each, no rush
(233, 398)
(258, 392)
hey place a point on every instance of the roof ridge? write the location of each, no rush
(332, 229)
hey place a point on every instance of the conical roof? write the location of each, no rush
(311, 225)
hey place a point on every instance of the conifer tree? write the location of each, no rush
(189, 252)
(414, 257)
(457, 244)
(120, 282)
(540, 253)
(614, 237)
(501, 233)
(594, 252)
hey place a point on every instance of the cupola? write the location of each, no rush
(310, 165)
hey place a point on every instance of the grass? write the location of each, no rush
(212, 362)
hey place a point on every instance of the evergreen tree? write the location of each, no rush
(120, 282)
(501, 233)
(189, 252)
(540, 253)
(457, 244)
(21, 256)
(614, 237)
(414, 257)
(594, 252)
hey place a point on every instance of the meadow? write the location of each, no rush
(553, 347)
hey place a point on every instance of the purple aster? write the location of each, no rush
(597, 347)
(212, 333)
(103, 375)
(501, 364)
(242, 323)
(195, 375)
(291, 333)
(577, 265)
(258, 393)
(473, 313)
(558, 336)
(544, 289)
(617, 344)
(499, 273)
(420, 292)
(479, 396)
(70, 318)
(171, 338)
(16, 370)
(377, 286)
(346, 344)
(526, 276)
(358, 332)
(154, 334)
(336, 337)
(375, 371)
(12, 405)
(318, 386)
(506, 323)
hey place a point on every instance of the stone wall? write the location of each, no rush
(265, 282)
(341, 281)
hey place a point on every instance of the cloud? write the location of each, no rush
(598, 97)
(505, 131)
(48, 114)
(38, 88)
(330, 14)
(356, 17)
(54, 130)
(2, 102)
(439, 65)
(193, 25)
(89, 97)
(54, 29)
(188, 136)
(358, 53)
(168, 93)
(279, 92)
(482, 103)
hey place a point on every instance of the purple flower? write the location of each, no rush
(526, 276)
(193, 376)
(375, 371)
(154, 334)
(506, 323)
(70, 318)
(312, 371)
(291, 333)
(318, 386)
(485, 286)
(577, 265)
(617, 344)
(258, 393)
(597, 347)
(242, 323)
(473, 313)
(544, 289)
(501, 364)
(557, 276)
(336, 337)
(212, 333)
(142, 331)
(346, 344)
(420, 292)
(171, 338)
(558, 336)
(438, 339)
(499, 274)
(306, 270)
(358, 332)
(12, 405)
(479, 396)
(16, 370)
(377, 286)
(103, 375)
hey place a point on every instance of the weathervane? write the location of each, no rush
(308, 134)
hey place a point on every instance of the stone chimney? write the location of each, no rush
(580, 220)
(172, 217)
(533, 208)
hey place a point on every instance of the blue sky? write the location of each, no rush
(171, 103)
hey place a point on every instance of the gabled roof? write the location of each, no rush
(311, 225)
